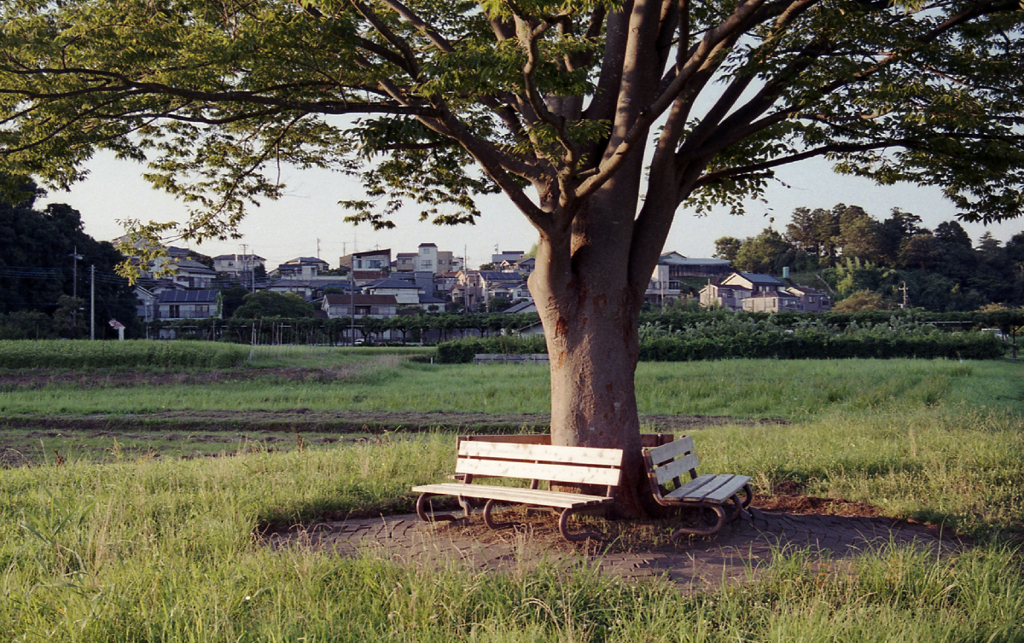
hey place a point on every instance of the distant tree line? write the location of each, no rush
(860, 258)
(40, 274)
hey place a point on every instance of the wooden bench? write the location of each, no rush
(666, 467)
(533, 462)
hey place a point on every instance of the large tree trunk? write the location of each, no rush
(590, 311)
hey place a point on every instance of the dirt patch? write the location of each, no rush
(788, 496)
(42, 378)
(337, 421)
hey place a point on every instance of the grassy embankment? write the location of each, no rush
(162, 549)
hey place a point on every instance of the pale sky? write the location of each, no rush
(308, 222)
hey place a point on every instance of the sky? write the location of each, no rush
(308, 222)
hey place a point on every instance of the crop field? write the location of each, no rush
(132, 499)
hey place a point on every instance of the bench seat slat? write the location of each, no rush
(534, 471)
(514, 494)
(710, 488)
(542, 453)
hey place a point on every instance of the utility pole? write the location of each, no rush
(92, 303)
(75, 258)
(905, 299)
(352, 302)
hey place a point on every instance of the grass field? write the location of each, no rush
(143, 540)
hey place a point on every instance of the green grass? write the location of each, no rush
(164, 551)
(790, 389)
(144, 548)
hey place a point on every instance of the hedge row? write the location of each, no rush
(679, 347)
(462, 351)
(126, 354)
(822, 346)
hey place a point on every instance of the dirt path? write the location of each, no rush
(739, 553)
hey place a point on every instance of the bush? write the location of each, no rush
(127, 354)
(462, 351)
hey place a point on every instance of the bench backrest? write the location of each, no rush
(570, 465)
(647, 440)
(670, 462)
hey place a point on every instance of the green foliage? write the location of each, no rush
(462, 351)
(170, 549)
(272, 304)
(126, 354)
(38, 265)
(732, 337)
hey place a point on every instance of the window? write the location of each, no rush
(174, 311)
(203, 309)
(362, 310)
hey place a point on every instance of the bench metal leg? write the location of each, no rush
(739, 505)
(563, 528)
(421, 510)
(710, 531)
(489, 519)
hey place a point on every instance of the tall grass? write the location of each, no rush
(165, 551)
(53, 353)
(794, 390)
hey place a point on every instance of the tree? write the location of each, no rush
(574, 110)
(816, 232)
(727, 248)
(37, 263)
(953, 234)
(272, 304)
(860, 301)
(765, 253)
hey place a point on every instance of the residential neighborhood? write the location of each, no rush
(380, 284)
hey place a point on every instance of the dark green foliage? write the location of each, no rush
(127, 354)
(462, 351)
(37, 267)
(26, 325)
(264, 304)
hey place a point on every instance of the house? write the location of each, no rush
(404, 292)
(426, 259)
(509, 285)
(667, 280)
(755, 282)
(526, 266)
(811, 300)
(405, 262)
(753, 292)
(188, 304)
(187, 273)
(467, 289)
(507, 255)
(308, 289)
(305, 268)
(146, 303)
(718, 296)
(431, 303)
(378, 261)
(772, 301)
(681, 267)
(526, 306)
(238, 266)
(379, 306)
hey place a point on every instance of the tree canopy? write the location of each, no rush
(596, 119)
(434, 103)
